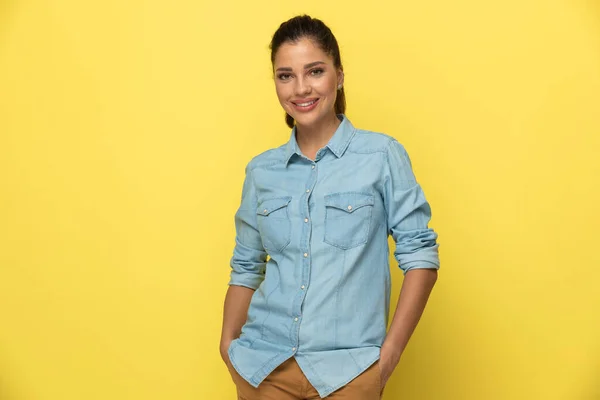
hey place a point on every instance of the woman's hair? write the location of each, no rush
(303, 26)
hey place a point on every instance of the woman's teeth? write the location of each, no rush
(306, 104)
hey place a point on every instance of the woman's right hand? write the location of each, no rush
(224, 347)
(235, 312)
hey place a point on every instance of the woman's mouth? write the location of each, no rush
(306, 105)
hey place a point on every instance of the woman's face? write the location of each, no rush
(306, 82)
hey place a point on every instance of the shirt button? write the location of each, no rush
(296, 319)
(305, 254)
(307, 190)
(349, 207)
(293, 349)
(302, 287)
(265, 211)
(305, 219)
(313, 167)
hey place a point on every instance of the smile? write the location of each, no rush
(305, 106)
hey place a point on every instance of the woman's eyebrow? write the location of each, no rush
(307, 66)
(312, 64)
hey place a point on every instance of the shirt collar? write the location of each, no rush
(337, 144)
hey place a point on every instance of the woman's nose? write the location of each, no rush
(302, 87)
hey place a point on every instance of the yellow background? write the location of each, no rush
(125, 127)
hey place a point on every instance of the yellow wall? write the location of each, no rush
(124, 130)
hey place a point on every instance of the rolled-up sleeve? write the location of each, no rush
(248, 262)
(408, 213)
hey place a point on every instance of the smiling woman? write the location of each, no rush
(322, 207)
(302, 104)
(302, 85)
(305, 52)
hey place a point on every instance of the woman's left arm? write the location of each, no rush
(414, 294)
(408, 214)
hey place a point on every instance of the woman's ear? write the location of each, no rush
(340, 79)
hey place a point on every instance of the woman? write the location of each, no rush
(306, 312)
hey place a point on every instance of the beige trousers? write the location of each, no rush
(287, 382)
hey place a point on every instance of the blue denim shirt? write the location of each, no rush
(312, 239)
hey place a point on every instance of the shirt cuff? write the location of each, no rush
(249, 280)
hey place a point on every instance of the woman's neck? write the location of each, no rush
(312, 138)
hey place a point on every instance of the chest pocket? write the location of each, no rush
(348, 218)
(274, 223)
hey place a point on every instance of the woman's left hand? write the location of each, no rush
(388, 360)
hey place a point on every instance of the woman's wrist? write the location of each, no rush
(392, 351)
(226, 341)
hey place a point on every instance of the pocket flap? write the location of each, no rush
(349, 201)
(267, 206)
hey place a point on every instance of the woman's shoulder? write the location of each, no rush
(368, 141)
(267, 157)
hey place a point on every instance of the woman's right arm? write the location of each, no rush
(235, 311)
(248, 266)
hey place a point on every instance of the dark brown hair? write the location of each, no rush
(303, 26)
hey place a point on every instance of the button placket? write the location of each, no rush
(305, 245)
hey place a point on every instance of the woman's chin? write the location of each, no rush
(308, 119)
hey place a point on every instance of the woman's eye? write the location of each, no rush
(284, 77)
(317, 71)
